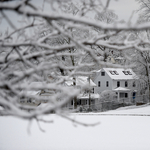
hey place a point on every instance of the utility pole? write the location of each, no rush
(75, 98)
(89, 94)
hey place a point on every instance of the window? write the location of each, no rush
(118, 83)
(99, 83)
(125, 72)
(79, 102)
(29, 100)
(129, 72)
(112, 72)
(134, 94)
(126, 83)
(126, 95)
(107, 84)
(122, 95)
(134, 85)
(102, 73)
(72, 102)
(116, 72)
(93, 90)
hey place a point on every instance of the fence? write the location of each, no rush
(101, 105)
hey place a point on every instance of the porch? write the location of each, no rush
(87, 100)
(122, 93)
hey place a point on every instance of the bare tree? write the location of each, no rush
(144, 9)
(32, 53)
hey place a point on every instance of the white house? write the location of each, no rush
(122, 81)
(33, 91)
(84, 96)
(82, 83)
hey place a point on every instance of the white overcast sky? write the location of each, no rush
(123, 8)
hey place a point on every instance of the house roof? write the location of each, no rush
(86, 96)
(119, 89)
(122, 74)
(81, 81)
(33, 88)
(33, 92)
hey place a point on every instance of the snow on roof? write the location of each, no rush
(33, 92)
(44, 105)
(120, 73)
(121, 89)
(86, 96)
(30, 90)
(81, 81)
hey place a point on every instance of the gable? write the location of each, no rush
(98, 74)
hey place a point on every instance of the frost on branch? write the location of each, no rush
(44, 49)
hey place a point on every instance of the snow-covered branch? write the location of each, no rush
(50, 50)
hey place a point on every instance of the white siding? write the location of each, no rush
(112, 83)
(103, 80)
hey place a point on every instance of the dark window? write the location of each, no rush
(112, 72)
(102, 73)
(126, 95)
(63, 58)
(126, 83)
(125, 72)
(72, 102)
(118, 83)
(93, 90)
(107, 83)
(99, 83)
(129, 72)
(29, 100)
(80, 102)
(116, 72)
(134, 85)
(134, 93)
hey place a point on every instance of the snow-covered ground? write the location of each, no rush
(115, 132)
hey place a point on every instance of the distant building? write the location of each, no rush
(85, 95)
(124, 82)
(38, 97)
(33, 96)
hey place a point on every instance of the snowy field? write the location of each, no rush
(115, 132)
